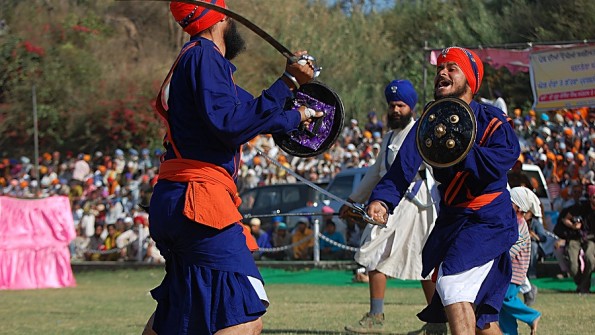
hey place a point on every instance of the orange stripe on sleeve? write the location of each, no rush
(490, 129)
(458, 188)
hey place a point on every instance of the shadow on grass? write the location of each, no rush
(323, 332)
(298, 331)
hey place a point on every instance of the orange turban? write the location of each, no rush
(194, 19)
(521, 158)
(551, 156)
(564, 193)
(469, 63)
(539, 142)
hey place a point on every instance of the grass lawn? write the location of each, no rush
(118, 302)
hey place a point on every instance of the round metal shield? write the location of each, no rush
(446, 132)
(320, 135)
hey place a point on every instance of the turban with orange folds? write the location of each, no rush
(468, 62)
(194, 19)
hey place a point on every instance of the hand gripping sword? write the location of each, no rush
(355, 207)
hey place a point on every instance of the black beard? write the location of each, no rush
(400, 123)
(456, 94)
(234, 42)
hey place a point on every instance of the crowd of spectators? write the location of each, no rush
(104, 193)
(106, 189)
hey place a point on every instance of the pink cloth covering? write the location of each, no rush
(515, 60)
(34, 238)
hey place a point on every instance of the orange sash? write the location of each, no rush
(211, 198)
(479, 201)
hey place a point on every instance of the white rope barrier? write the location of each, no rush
(336, 244)
(261, 250)
(302, 241)
(286, 247)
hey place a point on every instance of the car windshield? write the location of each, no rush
(536, 182)
(342, 186)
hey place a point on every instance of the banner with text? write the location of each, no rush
(563, 78)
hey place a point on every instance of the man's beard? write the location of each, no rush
(458, 93)
(399, 123)
(234, 42)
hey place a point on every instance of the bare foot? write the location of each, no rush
(534, 326)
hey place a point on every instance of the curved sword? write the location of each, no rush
(355, 207)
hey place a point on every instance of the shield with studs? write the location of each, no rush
(446, 132)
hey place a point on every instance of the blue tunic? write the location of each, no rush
(465, 237)
(211, 117)
(206, 287)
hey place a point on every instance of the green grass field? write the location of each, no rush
(118, 302)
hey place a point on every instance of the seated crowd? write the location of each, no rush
(106, 190)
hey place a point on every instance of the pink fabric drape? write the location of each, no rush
(34, 238)
(514, 60)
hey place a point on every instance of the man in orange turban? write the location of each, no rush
(212, 284)
(468, 249)
(469, 64)
(194, 19)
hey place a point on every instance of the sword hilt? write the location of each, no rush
(303, 60)
(361, 211)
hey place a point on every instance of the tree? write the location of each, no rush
(98, 65)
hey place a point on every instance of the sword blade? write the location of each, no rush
(357, 209)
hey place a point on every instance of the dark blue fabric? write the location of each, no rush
(263, 240)
(210, 117)
(488, 300)
(463, 238)
(206, 287)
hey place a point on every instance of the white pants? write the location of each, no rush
(462, 286)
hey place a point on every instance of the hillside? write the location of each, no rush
(97, 65)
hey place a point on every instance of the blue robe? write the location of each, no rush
(464, 238)
(211, 117)
(206, 287)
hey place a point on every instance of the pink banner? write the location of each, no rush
(34, 238)
(515, 60)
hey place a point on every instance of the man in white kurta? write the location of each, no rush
(395, 250)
